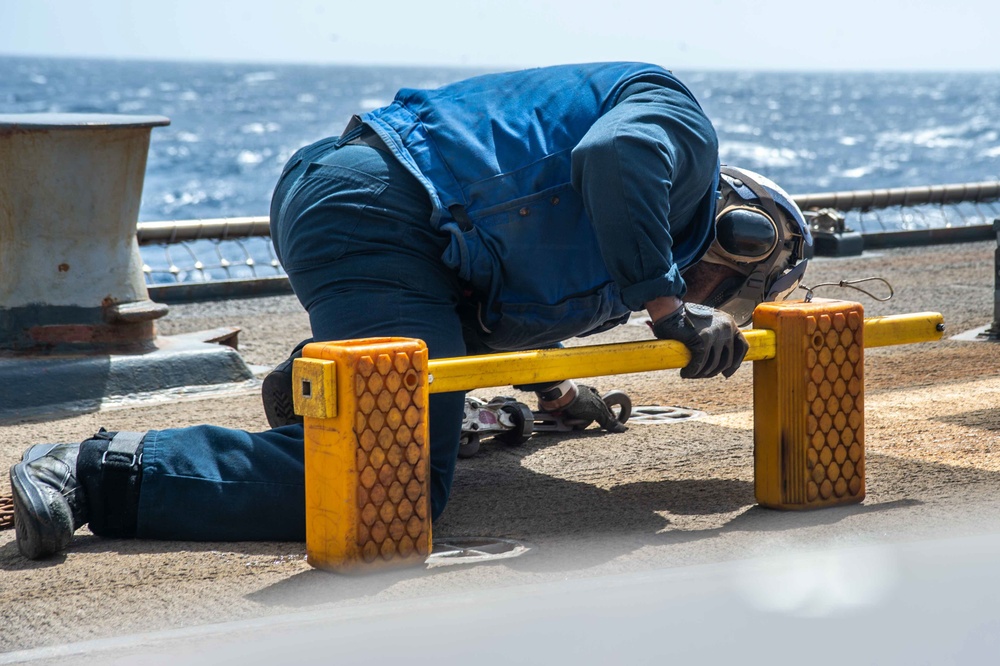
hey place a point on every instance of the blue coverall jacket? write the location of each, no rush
(554, 241)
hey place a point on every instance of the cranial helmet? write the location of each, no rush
(761, 234)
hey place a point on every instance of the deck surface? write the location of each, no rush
(654, 499)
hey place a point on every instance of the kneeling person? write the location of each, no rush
(509, 211)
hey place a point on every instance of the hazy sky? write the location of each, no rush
(679, 34)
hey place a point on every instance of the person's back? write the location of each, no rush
(518, 172)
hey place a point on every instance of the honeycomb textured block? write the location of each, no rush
(809, 406)
(367, 465)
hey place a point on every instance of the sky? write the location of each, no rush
(795, 35)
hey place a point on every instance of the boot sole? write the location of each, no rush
(276, 391)
(33, 519)
(276, 394)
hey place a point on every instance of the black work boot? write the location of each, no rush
(59, 488)
(49, 503)
(276, 391)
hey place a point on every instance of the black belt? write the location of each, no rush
(366, 136)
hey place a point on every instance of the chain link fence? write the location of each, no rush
(191, 260)
(208, 260)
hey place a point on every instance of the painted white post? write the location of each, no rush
(70, 270)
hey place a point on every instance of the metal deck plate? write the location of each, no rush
(662, 415)
(474, 550)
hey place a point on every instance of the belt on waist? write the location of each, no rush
(369, 138)
(366, 136)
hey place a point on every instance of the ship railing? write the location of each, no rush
(202, 259)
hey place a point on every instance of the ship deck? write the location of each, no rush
(654, 499)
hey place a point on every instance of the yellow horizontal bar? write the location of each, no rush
(903, 329)
(527, 367)
(508, 368)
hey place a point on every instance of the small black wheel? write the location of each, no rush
(468, 445)
(621, 401)
(524, 424)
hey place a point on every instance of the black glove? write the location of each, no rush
(712, 336)
(589, 406)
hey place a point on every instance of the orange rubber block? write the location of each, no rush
(809, 449)
(367, 455)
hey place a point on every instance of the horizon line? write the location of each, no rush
(479, 67)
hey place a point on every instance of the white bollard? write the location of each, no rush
(76, 322)
(70, 270)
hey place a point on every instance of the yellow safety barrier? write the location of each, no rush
(367, 452)
(808, 406)
(365, 408)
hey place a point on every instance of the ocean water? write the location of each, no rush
(234, 125)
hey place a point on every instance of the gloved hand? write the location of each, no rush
(589, 406)
(712, 336)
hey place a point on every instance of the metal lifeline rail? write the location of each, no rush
(367, 437)
(901, 196)
(235, 227)
(507, 369)
(174, 231)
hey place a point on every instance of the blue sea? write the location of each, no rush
(233, 126)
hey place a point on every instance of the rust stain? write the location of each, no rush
(94, 334)
(63, 267)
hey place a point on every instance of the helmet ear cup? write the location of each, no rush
(745, 235)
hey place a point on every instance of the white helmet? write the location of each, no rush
(761, 234)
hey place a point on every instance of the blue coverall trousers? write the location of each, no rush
(352, 230)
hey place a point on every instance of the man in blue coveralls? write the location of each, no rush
(508, 211)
